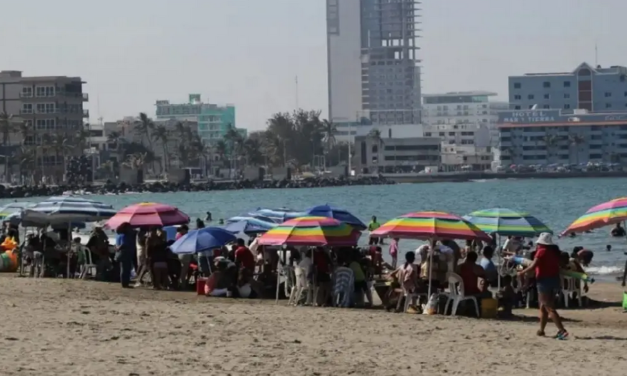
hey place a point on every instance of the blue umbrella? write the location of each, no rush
(170, 232)
(248, 225)
(274, 215)
(332, 212)
(201, 240)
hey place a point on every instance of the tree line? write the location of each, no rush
(299, 139)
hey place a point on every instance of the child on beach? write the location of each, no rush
(506, 297)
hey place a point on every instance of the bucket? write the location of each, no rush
(489, 308)
(625, 300)
(8, 262)
(200, 285)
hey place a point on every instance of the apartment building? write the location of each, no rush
(541, 137)
(596, 89)
(43, 106)
(393, 155)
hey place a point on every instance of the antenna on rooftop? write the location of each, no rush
(596, 55)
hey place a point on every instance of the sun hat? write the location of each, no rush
(545, 238)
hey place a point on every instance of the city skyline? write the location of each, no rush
(160, 50)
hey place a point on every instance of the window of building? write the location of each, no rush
(546, 106)
(427, 134)
(517, 85)
(518, 107)
(608, 94)
(517, 97)
(451, 133)
(27, 108)
(530, 96)
(608, 105)
(27, 91)
(546, 84)
(566, 96)
(626, 93)
(566, 106)
(566, 83)
(441, 134)
(546, 96)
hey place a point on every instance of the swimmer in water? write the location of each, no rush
(608, 248)
(221, 222)
(209, 217)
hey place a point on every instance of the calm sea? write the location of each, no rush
(556, 202)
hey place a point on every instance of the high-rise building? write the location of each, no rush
(586, 87)
(44, 106)
(373, 69)
(214, 121)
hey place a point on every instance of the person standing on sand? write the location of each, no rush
(547, 267)
(125, 247)
(394, 252)
(373, 225)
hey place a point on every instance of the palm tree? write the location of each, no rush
(550, 141)
(27, 158)
(113, 138)
(329, 130)
(161, 134)
(221, 149)
(8, 125)
(575, 140)
(202, 150)
(143, 128)
(62, 145)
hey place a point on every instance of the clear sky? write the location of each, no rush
(248, 52)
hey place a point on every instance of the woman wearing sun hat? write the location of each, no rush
(547, 267)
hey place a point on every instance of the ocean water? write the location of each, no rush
(557, 202)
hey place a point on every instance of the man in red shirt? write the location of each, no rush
(245, 260)
(244, 257)
(547, 267)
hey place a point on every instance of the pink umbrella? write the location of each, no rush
(148, 214)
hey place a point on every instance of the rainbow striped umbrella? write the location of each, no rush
(608, 213)
(430, 225)
(507, 222)
(311, 231)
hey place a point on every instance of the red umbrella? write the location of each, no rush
(148, 214)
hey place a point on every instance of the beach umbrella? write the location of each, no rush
(311, 231)
(248, 225)
(148, 214)
(333, 212)
(507, 222)
(14, 208)
(605, 214)
(66, 210)
(430, 225)
(273, 215)
(203, 239)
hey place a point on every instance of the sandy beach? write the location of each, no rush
(89, 328)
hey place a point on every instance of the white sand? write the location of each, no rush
(60, 327)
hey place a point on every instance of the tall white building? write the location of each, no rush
(466, 111)
(373, 71)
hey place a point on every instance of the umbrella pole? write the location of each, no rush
(625, 268)
(500, 261)
(430, 267)
(278, 275)
(69, 249)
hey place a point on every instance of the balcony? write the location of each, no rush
(86, 114)
(85, 97)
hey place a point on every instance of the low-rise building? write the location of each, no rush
(213, 121)
(541, 137)
(389, 155)
(466, 158)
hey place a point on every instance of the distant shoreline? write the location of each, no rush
(461, 177)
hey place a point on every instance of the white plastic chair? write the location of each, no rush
(89, 266)
(572, 286)
(301, 287)
(343, 287)
(456, 294)
(285, 273)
